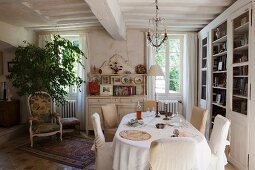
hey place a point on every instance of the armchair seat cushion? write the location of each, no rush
(46, 128)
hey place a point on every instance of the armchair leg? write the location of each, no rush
(60, 135)
(31, 141)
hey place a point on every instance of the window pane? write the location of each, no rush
(174, 45)
(161, 61)
(174, 86)
(174, 65)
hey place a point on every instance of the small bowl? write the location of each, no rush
(160, 125)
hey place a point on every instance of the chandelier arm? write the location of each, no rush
(154, 38)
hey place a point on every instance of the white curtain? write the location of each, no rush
(190, 74)
(150, 54)
(42, 39)
(83, 73)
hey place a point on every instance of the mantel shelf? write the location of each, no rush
(116, 74)
(220, 40)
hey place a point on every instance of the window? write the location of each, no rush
(169, 57)
(72, 90)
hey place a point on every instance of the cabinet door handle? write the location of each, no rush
(250, 91)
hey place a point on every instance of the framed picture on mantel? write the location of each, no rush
(106, 90)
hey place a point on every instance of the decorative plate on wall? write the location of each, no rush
(138, 79)
(125, 79)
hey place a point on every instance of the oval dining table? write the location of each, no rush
(134, 155)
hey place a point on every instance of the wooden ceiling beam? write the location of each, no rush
(110, 16)
(68, 17)
(169, 16)
(170, 21)
(174, 10)
(220, 3)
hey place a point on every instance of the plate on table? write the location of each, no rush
(135, 135)
(135, 123)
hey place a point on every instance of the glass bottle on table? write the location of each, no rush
(138, 111)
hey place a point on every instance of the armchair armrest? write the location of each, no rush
(57, 117)
(55, 114)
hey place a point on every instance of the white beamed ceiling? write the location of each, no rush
(48, 14)
(180, 15)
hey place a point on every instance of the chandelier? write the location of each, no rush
(156, 37)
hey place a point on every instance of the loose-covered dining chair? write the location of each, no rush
(218, 142)
(43, 122)
(173, 154)
(149, 104)
(110, 121)
(198, 118)
(104, 153)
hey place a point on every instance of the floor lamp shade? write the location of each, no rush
(155, 70)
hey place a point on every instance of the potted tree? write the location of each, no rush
(49, 69)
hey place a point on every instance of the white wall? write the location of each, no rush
(102, 46)
(14, 35)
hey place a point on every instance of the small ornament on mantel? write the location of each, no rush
(140, 69)
(94, 70)
(115, 67)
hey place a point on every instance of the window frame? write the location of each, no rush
(167, 94)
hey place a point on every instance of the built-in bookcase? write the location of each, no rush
(240, 63)
(219, 70)
(230, 77)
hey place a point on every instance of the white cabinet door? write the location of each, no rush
(238, 155)
(239, 74)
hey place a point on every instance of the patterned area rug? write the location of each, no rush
(72, 151)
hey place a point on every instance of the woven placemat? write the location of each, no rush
(135, 135)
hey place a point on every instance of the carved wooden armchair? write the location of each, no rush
(43, 122)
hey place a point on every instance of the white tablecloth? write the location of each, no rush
(134, 155)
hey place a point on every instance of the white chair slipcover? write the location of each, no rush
(218, 142)
(104, 154)
(198, 118)
(110, 121)
(173, 154)
(149, 104)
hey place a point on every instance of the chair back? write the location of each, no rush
(198, 118)
(149, 104)
(173, 154)
(99, 136)
(218, 139)
(110, 116)
(39, 105)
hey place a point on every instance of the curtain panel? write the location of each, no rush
(190, 74)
